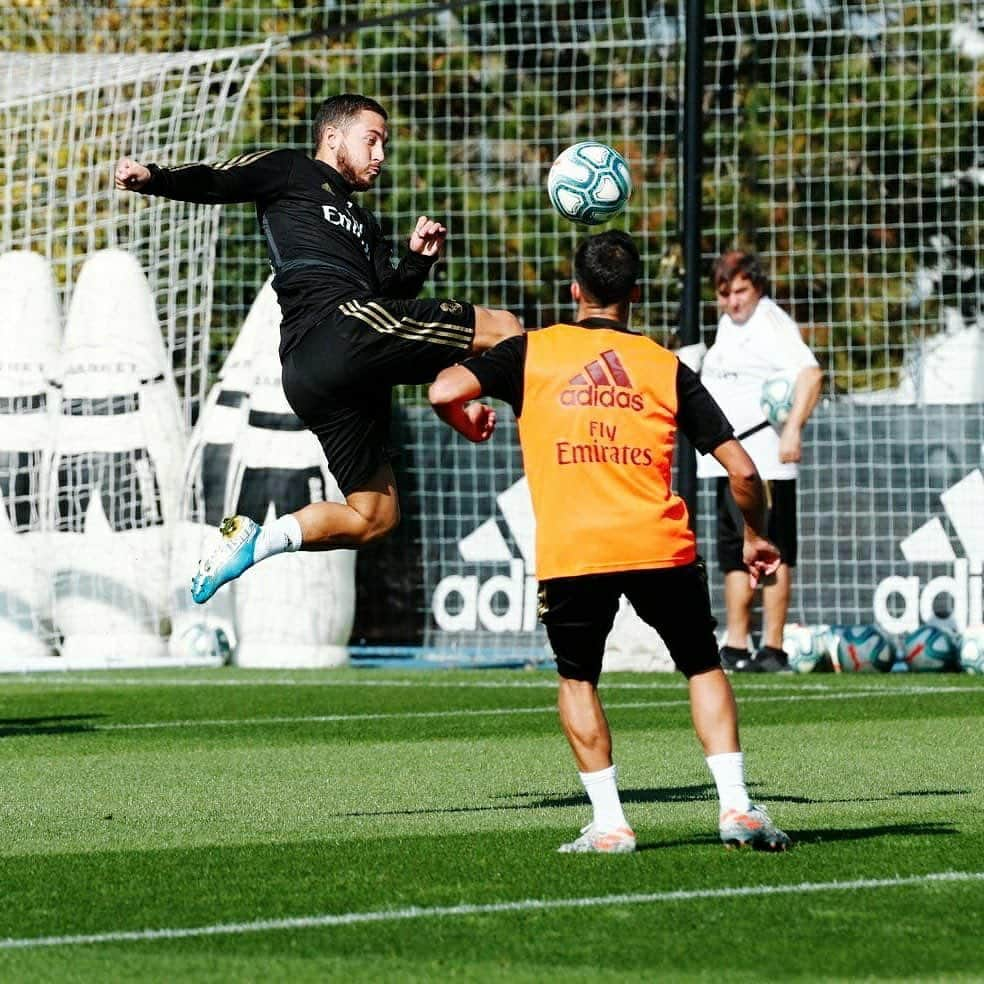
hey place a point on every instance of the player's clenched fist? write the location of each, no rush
(131, 176)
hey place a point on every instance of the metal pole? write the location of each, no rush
(690, 219)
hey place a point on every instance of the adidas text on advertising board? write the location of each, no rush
(901, 602)
(476, 602)
(502, 602)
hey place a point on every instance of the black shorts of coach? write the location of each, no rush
(780, 501)
(578, 613)
(338, 378)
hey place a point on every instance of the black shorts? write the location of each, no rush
(338, 377)
(780, 497)
(578, 613)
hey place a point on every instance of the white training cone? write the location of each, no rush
(116, 470)
(30, 338)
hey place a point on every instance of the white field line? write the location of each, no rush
(465, 712)
(670, 682)
(328, 920)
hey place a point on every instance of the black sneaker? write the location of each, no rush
(734, 659)
(770, 660)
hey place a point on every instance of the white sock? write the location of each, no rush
(603, 792)
(728, 770)
(283, 535)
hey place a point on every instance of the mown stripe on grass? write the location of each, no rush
(327, 920)
(250, 722)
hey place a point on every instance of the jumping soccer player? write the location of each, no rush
(598, 409)
(351, 326)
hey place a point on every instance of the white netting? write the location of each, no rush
(104, 322)
(66, 119)
(841, 140)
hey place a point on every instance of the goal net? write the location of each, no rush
(105, 313)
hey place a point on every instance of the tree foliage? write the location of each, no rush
(840, 141)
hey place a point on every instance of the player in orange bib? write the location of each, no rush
(598, 408)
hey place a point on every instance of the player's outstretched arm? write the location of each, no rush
(450, 394)
(131, 176)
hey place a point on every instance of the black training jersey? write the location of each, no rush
(325, 248)
(501, 374)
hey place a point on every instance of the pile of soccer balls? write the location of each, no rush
(868, 649)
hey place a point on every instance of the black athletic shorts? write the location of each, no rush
(780, 498)
(579, 612)
(338, 377)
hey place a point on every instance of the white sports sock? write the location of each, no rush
(602, 790)
(283, 535)
(728, 770)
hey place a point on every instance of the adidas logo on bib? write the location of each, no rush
(604, 382)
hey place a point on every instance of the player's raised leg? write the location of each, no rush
(368, 514)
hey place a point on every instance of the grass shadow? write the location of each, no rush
(699, 792)
(57, 724)
(825, 836)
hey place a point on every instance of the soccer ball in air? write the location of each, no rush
(972, 650)
(589, 183)
(808, 647)
(930, 649)
(777, 399)
(863, 649)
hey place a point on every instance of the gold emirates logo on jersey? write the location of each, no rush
(604, 383)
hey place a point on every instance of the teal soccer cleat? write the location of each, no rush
(228, 560)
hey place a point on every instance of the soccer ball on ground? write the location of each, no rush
(203, 643)
(808, 647)
(930, 649)
(589, 183)
(862, 649)
(972, 649)
(776, 400)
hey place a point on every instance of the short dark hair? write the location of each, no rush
(608, 266)
(340, 110)
(737, 262)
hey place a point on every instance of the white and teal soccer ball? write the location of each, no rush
(930, 649)
(863, 649)
(972, 650)
(589, 183)
(807, 646)
(205, 644)
(776, 400)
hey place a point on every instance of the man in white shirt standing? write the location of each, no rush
(757, 341)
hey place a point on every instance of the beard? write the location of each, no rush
(344, 167)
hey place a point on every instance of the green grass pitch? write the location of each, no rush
(370, 825)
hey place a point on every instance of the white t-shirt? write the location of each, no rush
(741, 359)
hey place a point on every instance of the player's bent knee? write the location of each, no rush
(380, 528)
(493, 325)
(374, 524)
